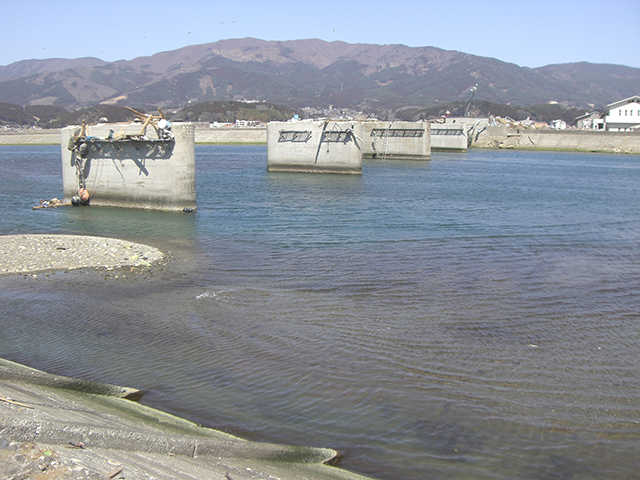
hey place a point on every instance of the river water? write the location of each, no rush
(472, 316)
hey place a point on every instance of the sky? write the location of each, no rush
(528, 33)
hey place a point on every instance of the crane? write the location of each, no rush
(473, 92)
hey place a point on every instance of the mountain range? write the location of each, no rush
(312, 73)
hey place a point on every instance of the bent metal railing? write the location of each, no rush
(295, 136)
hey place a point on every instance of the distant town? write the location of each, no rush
(620, 116)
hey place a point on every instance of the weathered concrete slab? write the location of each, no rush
(110, 432)
(559, 140)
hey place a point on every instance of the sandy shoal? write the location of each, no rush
(24, 254)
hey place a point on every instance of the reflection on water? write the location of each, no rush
(475, 316)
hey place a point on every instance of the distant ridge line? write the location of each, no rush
(310, 72)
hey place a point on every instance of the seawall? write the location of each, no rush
(31, 137)
(490, 137)
(232, 136)
(223, 136)
(558, 140)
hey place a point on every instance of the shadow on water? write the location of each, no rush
(133, 224)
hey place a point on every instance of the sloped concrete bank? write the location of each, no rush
(65, 428)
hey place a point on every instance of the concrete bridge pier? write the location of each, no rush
(120, 166)
(397, 140)
(315, 147)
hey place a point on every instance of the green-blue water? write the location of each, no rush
(474, 316)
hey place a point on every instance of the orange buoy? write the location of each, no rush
(83, 194)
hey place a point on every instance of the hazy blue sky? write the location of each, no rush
(528, 33)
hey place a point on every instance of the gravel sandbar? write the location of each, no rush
(24, 254)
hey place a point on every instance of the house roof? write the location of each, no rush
(590, 114)
(619, 103)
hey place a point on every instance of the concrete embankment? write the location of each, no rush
(232, 136)
(68, 426)
(31, 137)
(558, 140)
(490, 137)
(222, 136)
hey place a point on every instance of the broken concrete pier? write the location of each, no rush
(397, 140)
(150, 165)
(448, 138)
(315, 147)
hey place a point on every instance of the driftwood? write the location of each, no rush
(147, 118)
(3, 399)
(115, 472)
(52, 204)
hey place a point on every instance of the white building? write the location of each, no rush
(558, 124)
(590, 121)
(624, 115)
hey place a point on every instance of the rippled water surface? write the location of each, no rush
(474, 316)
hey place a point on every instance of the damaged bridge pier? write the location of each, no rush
(124, 165)
(397, 140)
(339, 146)
(315, 147)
